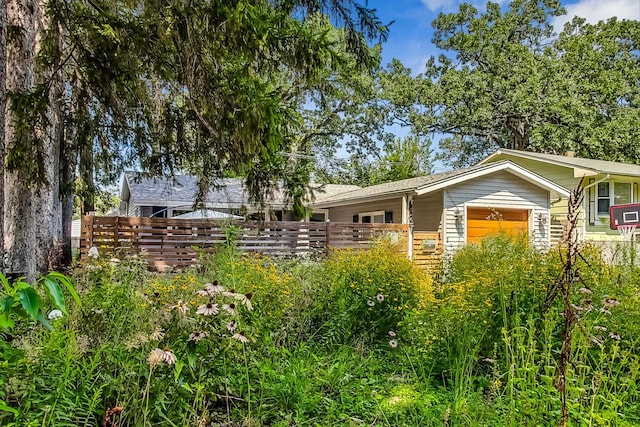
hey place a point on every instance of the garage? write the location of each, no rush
(484, 221)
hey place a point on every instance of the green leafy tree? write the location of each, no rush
(403, 158)
(399, 159)
(504, 80)
(159, 85)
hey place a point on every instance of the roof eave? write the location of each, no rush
(578, 171)
(364, 199)
(504, 165)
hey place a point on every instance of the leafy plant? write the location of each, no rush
(21, 299)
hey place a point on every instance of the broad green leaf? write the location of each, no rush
(6, 322)
(191, 354)
(30, 301)
(5, 283)
(6, 304)
(44, 321)
(64, 280)
(55, 293)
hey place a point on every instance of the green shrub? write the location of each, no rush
(362, 296)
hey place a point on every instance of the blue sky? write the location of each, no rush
(410, 35)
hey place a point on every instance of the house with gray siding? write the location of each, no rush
(461, 206)
(163, 197)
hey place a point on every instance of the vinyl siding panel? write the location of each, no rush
(346, 213)
(499, 190)
(427, 212)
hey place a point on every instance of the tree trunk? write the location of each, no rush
(3, 106)
(47, 202)
(19, 219)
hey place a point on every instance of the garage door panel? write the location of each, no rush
(504, 214)
(513, 222)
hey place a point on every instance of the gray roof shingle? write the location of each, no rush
(183, 189)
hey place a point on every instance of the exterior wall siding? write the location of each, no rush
(346, 213)
(427, 212)
(499, 190)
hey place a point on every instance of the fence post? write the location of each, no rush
(410, 241)
(327, 234)
(116, 232)
(90, 220)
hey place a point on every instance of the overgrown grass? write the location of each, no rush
(362, 338)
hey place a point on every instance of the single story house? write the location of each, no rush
(605, 184)
(171, 197)
(459, 206)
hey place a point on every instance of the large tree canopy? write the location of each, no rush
(505, 80)
(203, 86)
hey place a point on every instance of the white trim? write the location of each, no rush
(372, 214)
(505, 165)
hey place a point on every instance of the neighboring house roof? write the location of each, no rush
(587, 165)
(326, 191)
(182, 189)
(426, 184)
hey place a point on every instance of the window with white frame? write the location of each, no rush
(612, 193)
(371, 217)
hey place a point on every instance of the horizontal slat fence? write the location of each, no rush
(427, 250)
(170, 242)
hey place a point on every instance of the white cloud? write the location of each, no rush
(598, 10)
(436, 4)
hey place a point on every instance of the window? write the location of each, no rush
(621, 193)
(612, 193)
(158, 211)
(603, 198)
(373, 217)
(318, 217)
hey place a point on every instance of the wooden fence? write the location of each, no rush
(170, 243)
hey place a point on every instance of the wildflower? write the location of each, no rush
(93, 252)
(596, 341)
(169, 358)
(600, 328)
(158, 334)
(585, 290)
(380, 297)
(489, 360)
(208, 309)
(197, 336)
(213, 288)
(229, 308)
(202, 293)
(607, 303)
(614, 336)
(605, 311)
(245, 299)
(577, 307)
(392, 334)
(54, 314)
(240, 337)
(114, 262)
(156, 357)
(182, 307)
(393, 343)
(231, 326)
(370, 303)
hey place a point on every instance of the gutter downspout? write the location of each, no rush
(584, 202)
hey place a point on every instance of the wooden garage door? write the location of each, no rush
(482, 222)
